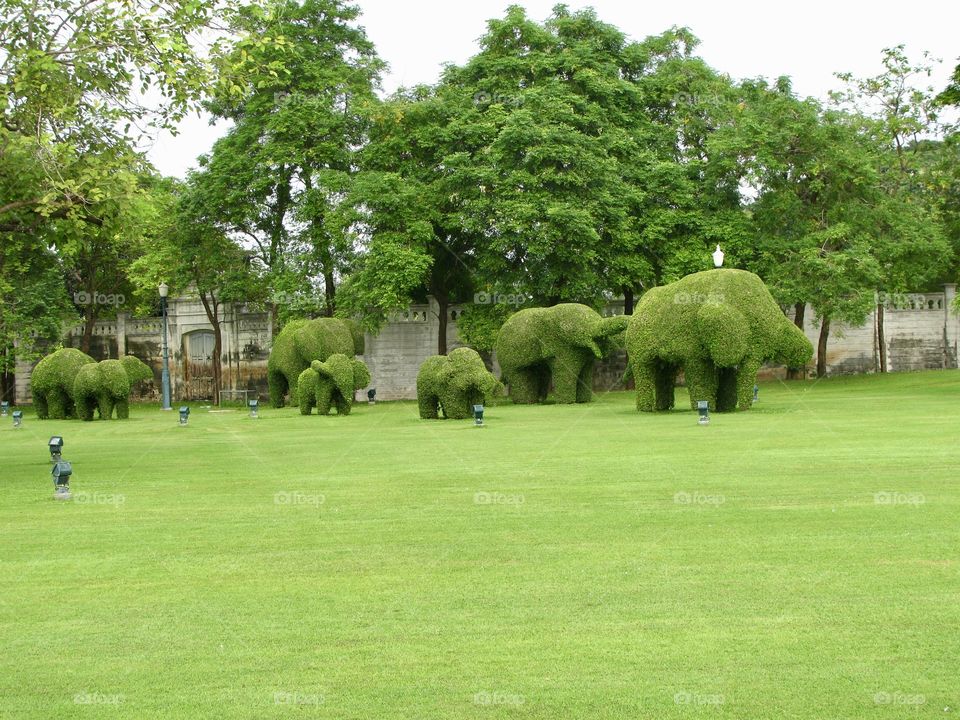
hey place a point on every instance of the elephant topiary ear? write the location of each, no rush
(724, 332)
(361, 375)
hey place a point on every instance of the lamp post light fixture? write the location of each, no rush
(184, 414)
(717, 257)
(254, 405)
(17, 418)
(703, 412)
(4, 407)
(56, 448)
(372, 396)
(478, 415)
(62, 470)
(164, 290)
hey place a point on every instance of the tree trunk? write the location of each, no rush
(881, 340)
(211, 307)
(628, 301)
(89, 321)
(329, 291)
(442, 312)
(799, 311)
(822, 347)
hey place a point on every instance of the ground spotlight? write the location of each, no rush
(56, 448)
(17, 418)
(756, 393)
(372, 396)
(184, 414)
(703, 412)
(254, 406)
(478, 415)
(62, 470)
(4, 407)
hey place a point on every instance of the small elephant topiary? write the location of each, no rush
(331, 383)
(52, 380)
(300, 343)
(105, 386)
(453, 384)
(560, 343)
(719, 326)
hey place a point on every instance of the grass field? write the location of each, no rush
(796, 561)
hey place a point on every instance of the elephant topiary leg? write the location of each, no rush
(429, 406)
(40, 405)
(58, 404)
(645, 379)
(342, 404)
(746, 379)
(585, 383)
(277, 384)
(525, 385)
(727, 389)
(455, 404)
(665, 379)
(123, 409)
(105, 406)
(566, 376)
(325, 389)
(85, 406)
(701, 377)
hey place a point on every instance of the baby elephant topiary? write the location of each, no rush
(720, 326)
(300, 343)
(559, 343)
(106, 386)
(331, 383)
(52, 383)
(454, 383)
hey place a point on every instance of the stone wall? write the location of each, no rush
(921, 332)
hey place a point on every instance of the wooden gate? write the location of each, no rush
(198, 365)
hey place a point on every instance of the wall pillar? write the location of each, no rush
(951, 321)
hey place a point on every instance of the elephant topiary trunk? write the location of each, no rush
(559, 343)
(719, 326)
(453, 384)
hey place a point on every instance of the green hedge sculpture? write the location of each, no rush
(720, 326)
(106, 386)
(560, 342)
(52, 383)
(299, 344)
(331, 383)
(453, 384)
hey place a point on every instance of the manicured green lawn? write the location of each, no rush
(796, 561)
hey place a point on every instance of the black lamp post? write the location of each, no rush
(165, 376)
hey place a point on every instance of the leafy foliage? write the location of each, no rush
(719, 326)
(331, 383)
(297, 346)
(453, 384)
(560, 343)
(52, 382)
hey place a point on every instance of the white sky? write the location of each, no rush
(808, 41)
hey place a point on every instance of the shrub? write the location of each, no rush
(300, 343)
(719, 326)
(52, 382)
(453, 383)
(331, 383)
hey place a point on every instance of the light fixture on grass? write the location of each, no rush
(703, 412)
(56, 448)
(372, 396)
(184, 414)
(4, 407)
(478, 415)
(17, 418)
(756, 393)
(254, 406)
(62, 470)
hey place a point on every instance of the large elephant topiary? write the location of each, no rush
(331, 383)
(105, 386)
(299, 344)
(720, 326)
(453, 384)
(51, 382)
(560, 342)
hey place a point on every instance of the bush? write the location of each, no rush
(559, 343)
(331, 383)
(52, 383)
(101, 385)
(300, 343)
(719, 326)
(453, 384)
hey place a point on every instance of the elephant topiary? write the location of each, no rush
(453, 384)
(52, 382)
(332, 382)
(300, 343)
(720, 326)
(561, 342)
(106, 386)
